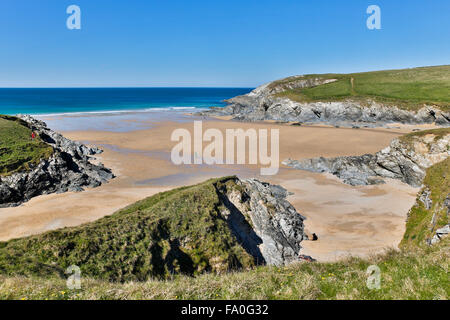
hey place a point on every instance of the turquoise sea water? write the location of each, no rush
(41, 101)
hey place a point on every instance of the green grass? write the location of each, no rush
(419, 225)
(18, 152)
(415, 274)
(131, 255)
(178, 231)
(407, 88)
(438, 134)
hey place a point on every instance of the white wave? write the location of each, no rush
(106, 112)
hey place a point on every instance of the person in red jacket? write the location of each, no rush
(33, 135)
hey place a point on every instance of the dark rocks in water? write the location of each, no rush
(405, 161)
(68, 169)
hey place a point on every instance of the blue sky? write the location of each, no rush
(214, 42)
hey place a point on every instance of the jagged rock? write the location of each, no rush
(57, 140)
(274, 230)
(68, 169)
(401, 160)
(440, 233)
(220, 225)
(261, 104)
(444, 231)
(447, 203)
(425, 198)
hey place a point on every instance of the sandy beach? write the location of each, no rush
(348, 220)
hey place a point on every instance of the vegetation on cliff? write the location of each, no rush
(430, 211)
(116, 243)
(407, 88)
(18, 151)
(35, 160)
(153, 248)
(178, 231)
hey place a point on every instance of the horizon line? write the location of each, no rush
(132, 87)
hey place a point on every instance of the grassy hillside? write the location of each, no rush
(422, 222)
(417, 274)
(179, 231)
(151, 250)
(17, 150)
(406, 88)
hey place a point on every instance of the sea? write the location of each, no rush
(73, 101)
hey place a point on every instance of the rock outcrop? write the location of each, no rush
(220, 225)
(263, 104)
(445, 230)
(274, 230)
(440, 233)
(68, 169)
(406, 159)
(427, 221)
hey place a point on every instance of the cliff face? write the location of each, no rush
(427, 221)
(276, 227)
(67, 169)
(406, 159)
(217, 226)
(264, 103)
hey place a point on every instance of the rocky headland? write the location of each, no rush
(428, 219)
(285, 100)
(407, 158)
(278, 227)
(217, 226)
(69, 168)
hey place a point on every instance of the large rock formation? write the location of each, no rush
(217, 226)
(263, 104)
(276, 227)
(428, 219)
(406, 159)
(68, 169)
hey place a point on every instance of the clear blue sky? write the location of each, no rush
(212, 42)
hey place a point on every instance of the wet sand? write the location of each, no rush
(348, 220)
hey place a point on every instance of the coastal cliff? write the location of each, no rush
(138, 243)
(428, 219)
(217, 226)
(410, 96)
(406, 158)
(276, 223)
(66, 165)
